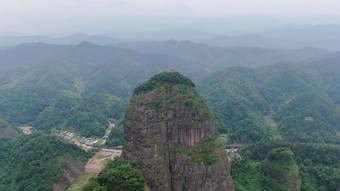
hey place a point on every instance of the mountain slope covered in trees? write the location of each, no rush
(64, 83)
(36, 162)
(213, 58)
(275, 101)
(77, 88)
(267, 100)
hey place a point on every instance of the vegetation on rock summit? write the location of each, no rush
(163, 79)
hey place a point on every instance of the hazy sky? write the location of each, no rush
(92, 16)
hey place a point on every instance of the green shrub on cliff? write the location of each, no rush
(117, 177)
(284, 156)
(163, 79)
(319, 164)
(280, 164)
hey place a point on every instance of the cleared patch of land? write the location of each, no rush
(98, 161)
(27, 129)
(272, 125)
(7, 132)
(93, 167)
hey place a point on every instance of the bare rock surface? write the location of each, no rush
(74, 169)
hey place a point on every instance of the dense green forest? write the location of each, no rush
(278, 101)
(284, 105)
(45, 109)
(117, 176)
(76, 88)
(34, 162)
(116, 137)
(318, 163)
(279, 106)
(73, 87)
(271, 101)
(3, 124)
(248, 175)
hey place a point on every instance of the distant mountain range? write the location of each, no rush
(161, 35)
(67, 40)
(214, 58)
(326, 37)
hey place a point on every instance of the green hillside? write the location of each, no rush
(327, 70)
(45, 108)
(233, 95)
(275, 101)
(35, 162)
(74, 87)
(77, 88)
(318, 163)
(280, 164)
(213, 58)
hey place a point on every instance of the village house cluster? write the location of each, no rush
(89, 141)
(232, 151)
(80, 140)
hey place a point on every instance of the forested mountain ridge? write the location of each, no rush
(87, 69)
(213, 58)
(327, 70)
(46, 109)
(275, 101)
(293, 105)
(34, 63)
(193, 58)
(82, 74)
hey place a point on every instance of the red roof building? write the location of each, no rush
(236, 145)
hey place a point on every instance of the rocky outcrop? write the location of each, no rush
(73, 169)
(280, 164)
(168, 134)
(6, 130)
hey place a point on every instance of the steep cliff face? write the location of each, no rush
(169, 136)
(68, 174)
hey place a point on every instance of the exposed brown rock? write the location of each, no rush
(169, 136)
(7, 132)
(73, 169)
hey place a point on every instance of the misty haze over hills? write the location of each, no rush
(325, 37)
